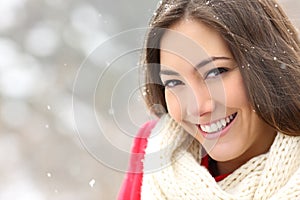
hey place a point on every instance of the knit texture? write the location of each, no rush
(172, 169)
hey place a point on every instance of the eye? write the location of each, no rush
(215, 72)
(172, 83)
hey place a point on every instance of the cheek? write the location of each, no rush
(174, 105)
(236, 95)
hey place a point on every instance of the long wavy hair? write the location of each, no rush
(263, 42)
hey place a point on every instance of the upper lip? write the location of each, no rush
(211, 122)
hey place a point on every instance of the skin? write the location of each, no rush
(201, 95)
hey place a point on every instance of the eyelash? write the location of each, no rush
(217, 71)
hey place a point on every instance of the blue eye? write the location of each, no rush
(215, 72)
(172, 83)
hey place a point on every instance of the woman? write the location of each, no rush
(225, 75)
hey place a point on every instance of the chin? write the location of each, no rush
(222, 154)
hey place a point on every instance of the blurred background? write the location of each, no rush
(55, 56)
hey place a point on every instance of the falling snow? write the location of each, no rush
(92, 183)
(168, 7)
(283, 66)
(288, 30)
(42, 64)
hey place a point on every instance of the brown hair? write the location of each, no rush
(263, 42)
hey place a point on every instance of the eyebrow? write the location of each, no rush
(199, 65)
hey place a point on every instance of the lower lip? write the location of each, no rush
(216, 135)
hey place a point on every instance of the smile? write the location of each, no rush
(218, 125)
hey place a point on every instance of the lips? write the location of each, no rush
(217, 126)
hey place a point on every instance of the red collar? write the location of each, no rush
(205, 162)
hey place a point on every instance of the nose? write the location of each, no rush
(199, 100)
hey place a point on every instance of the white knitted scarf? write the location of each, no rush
(172, 169)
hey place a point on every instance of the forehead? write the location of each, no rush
(191, 41)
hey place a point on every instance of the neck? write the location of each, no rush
(225, 167)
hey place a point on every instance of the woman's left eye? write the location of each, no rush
(215, 72)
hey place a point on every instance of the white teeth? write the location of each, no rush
(208, 128)
(217, 126)
(223, 122)
(227, 119)
(214, 127)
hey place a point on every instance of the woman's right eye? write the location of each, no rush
(172, 83)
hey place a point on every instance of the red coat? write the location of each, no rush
(131, 187)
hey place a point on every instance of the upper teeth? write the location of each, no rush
(218, 125)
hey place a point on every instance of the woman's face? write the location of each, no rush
(204, 92)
